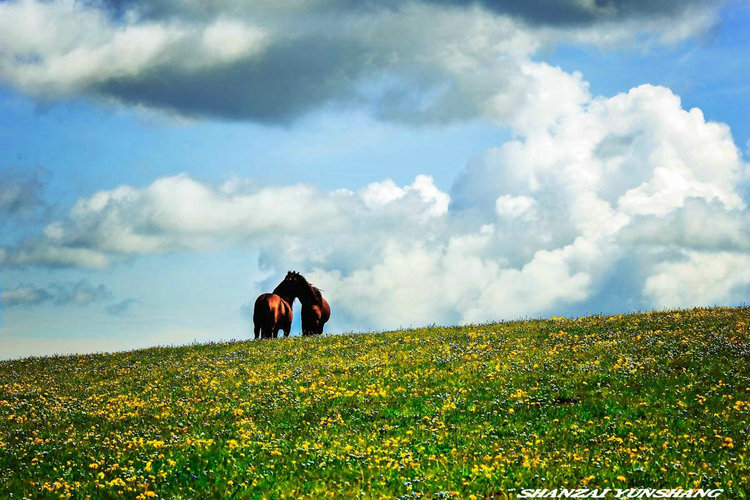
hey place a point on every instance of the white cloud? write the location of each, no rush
(60, 48)
(688, 21)
(698, 225)
(705, 278)
(20, 193)
(537, 225)
(379, 195)
(531, 227)
(413, 62)
(23, 295)
(515, 206)
(227, 40)
(122, 308)
(78, 293)
(179, 213)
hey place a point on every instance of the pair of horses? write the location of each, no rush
(273, 311)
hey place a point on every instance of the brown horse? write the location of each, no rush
(271, 314)
(315, 309)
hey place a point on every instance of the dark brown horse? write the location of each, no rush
(315, 309)
(271, 314)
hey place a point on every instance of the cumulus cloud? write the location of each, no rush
(416, 61)
(592, 194)
(708, 278)
(20, 192)
(246, 310)
(586, 12)
(24, 295)
(179, 213)
(122, 308)
(630, 193)
(698, 225)
(80, 293)
(557, 12)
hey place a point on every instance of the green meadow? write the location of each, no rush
(652, 400)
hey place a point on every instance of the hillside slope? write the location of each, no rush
(656, 400)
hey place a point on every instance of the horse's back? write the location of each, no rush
(274, 307)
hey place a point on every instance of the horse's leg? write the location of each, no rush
(257, 331)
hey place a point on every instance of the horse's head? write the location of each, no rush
(293, 278)
(290, 285)
(295, 285)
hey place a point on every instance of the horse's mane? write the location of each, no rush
(315, 289)
(282, 293)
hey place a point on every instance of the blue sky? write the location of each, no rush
(161, 164)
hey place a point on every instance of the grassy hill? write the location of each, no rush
(655, 400)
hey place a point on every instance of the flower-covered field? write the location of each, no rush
(656, 400)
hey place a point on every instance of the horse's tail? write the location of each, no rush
(325, 311)
(262, 317)
(286, 311)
